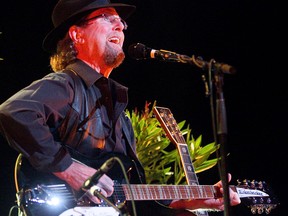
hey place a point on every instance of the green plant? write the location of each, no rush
(159, 157)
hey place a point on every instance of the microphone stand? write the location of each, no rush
(219, 123)
(220, 126)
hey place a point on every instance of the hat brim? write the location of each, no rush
(50, 41)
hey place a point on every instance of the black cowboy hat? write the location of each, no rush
(68, 12)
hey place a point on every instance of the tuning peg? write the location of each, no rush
(260, 185)
(260, 210)
(254, 200)
(253, 209)
(238, 182)
(251, 184)
(268, 210)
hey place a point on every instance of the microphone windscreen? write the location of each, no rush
(137, 51)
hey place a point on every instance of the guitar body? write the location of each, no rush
(38, 189)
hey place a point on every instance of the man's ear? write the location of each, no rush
(75, 34)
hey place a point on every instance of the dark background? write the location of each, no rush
(245, 34)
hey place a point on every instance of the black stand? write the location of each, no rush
(221, 126)
(216, 72)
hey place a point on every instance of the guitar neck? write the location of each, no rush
(166, 192)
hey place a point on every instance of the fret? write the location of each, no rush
(147, 192)
(160, 191)
(187, 191)
(175, 191)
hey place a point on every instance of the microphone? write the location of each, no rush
(139, 51)
(93, 180)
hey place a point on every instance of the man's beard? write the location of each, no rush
(113, 58)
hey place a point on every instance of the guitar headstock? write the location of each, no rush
(169, 124)
(259, 203)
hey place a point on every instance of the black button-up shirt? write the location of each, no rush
(77, 109)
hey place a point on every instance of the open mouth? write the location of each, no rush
(114, 40)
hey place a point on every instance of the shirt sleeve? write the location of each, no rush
(28, 118)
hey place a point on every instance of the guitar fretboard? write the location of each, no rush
(187, 164)
(164, 192)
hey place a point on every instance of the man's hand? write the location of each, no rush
(211, 204)
(76, 174)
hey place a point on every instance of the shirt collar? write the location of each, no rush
(88, 74)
